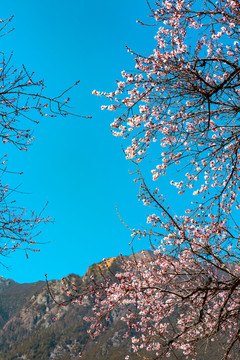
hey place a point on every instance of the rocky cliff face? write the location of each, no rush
(28, 330)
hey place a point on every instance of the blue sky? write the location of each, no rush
(76, 164)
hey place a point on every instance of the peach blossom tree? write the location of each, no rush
(22, 102)
(184, 100)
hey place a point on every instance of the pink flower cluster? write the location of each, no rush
(185, 97)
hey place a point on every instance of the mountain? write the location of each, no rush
(28, 330)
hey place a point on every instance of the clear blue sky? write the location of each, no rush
(76, 164)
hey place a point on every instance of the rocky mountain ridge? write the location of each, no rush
(28, 329)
